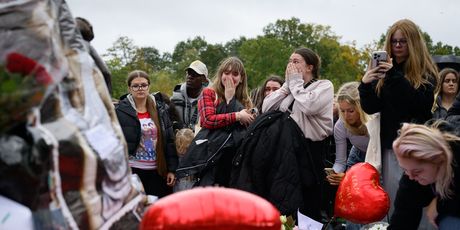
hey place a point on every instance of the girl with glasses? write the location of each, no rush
(402, 90)
(147, 128)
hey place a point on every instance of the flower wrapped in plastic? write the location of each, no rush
(23, 84)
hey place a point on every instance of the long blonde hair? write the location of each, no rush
(428, 144)
(348, 92)
(419, 67)
(233, 64)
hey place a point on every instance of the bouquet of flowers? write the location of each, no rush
(375, 226)
(23, 83)
(287, 223)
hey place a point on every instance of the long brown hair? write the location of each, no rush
(419, 66)
(311, 58)
(152, 110)
(233, 64)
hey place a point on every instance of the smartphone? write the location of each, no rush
(329, 171)
(378, 56)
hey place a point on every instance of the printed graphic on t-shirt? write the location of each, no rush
(145, 157)
(146, 149)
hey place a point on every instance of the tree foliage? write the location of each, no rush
(263, 55)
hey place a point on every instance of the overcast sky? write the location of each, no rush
(162, 24)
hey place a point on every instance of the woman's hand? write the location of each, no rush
(170, 179)
(245, 117)
(335, 178)
(432, 213)
(377, 72)
(291, 69)
(230, 88)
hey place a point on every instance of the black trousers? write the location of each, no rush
(313, 194)
(153, 183)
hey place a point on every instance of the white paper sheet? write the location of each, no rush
(307, 223)
(14, 215)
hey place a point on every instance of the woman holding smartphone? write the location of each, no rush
(402, 90)
(350, 126)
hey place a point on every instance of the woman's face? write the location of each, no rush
(229, 75)
(424, 173)
(139, 88)
(301, 64)
(450, 85)
(270, 87)
(350, 114)
(399, 49)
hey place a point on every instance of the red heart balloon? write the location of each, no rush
(211, 208)
(360, 198)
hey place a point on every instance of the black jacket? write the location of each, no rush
(131, 127)
(412, 197)
(453, 116)
(208, 146)
(273, 162)
(398, 102)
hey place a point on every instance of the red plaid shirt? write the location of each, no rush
(207, 106)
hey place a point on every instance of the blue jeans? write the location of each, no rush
(449, 223)
(355, 156)
(353, 226)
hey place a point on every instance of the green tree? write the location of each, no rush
(122, 49)
(339, 63)
(233, 46)
(212, 57)
(264, 56)
(184, 53)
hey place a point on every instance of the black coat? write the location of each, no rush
(273, 162)
(398, 102)
(209, 145)
(131, 127)
(412, 197)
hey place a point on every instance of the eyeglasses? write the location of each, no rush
(139, 87)
(402, 42)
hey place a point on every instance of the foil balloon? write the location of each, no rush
(360, 198)
(211, 208)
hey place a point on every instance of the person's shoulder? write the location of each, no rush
(123, 104)
(178, 92)
(339, 125)
(324, 82)
(177, 88)
(160, 97)
(208, 90)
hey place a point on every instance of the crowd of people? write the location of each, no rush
(276, 140)
(220, 131)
